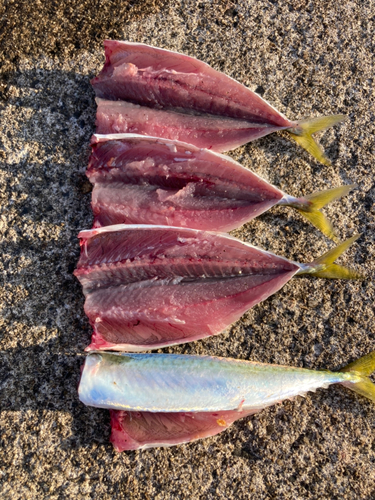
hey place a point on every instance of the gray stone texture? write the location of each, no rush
(307, 58)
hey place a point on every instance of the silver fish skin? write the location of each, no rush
(180, 383)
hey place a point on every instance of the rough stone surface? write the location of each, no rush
(307, 58)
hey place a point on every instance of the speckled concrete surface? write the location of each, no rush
(307, 59)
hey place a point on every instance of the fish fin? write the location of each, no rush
(302, 134)
(363, 367)
(316, 201)
(324, 267)
(334, 271)
(330, 256)
(322, 198)
(320, 221)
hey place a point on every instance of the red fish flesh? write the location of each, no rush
(175, 96)
(147, 180)
(153, 286)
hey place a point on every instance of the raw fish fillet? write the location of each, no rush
(207, 108)
(147, 180)
(163, 79)
(141, 430)
(204, 131)
(153, 286)
(167, 399)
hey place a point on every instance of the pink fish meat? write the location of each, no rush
(204, 131)
(175, 96)
(153, 286)
(147, 180)
(132, 430)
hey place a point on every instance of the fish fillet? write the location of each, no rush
(151, 286)
(166, 94)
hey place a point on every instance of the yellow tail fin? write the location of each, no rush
(363, 367)
(302, 134)
(315, 201)
(324, 266)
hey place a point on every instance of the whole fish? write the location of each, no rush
(151, 286)
(168, 399)
(147, 180)
(175, 96)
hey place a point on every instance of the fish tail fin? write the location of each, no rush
(324, 266)
(302, 134)
(309, 207)
(363, 367)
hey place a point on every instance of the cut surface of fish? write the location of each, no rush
(204, 131)
(162, 79)
(143, 180)
(149, 286)
(148, 180)
(134, 430)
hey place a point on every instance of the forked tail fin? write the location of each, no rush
(302, 134)
(324, 266)
(363, 367)
(310, 205)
